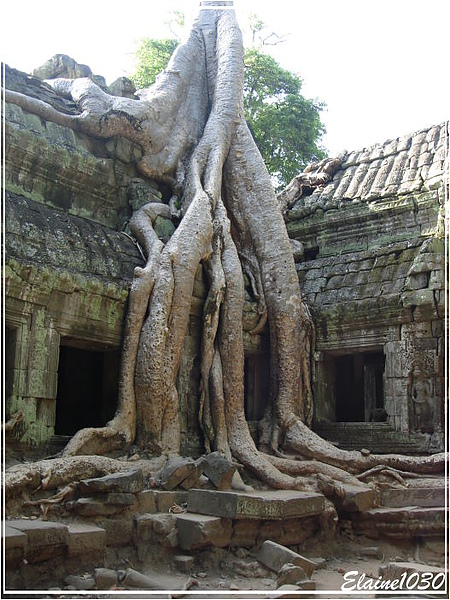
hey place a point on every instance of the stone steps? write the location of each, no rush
(35, 541)
(421, 492)
(379, 438)
(402, 522)
(115, 510)
(406, 512)
(229, 518)
(238, 519)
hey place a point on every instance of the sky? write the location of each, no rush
(381, 67)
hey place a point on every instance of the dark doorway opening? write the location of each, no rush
(257, 382)
(359, 387)
(87, 388)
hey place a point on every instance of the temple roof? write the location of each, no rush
(413, 163)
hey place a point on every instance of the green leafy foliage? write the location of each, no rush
(286, 126)
(152, 57)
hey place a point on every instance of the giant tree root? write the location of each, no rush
(56, 472)
(303, 441)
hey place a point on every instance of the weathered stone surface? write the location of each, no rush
(372, 242)
(179, 469)
(183, 563)
(219, 470)
(159, 528)
(85, 539)
(128, 482)
(78, 582)
(356, 498)
(122, 86)
(135, 579)
(105, 579)
(61, 65)
(14, 545)
(198, 531)
(45, 539)
(165, 500)
(121, 498)
(432, 496)
(52, 165)
(288, 532)
(403, 522)
(290, 573)
(94, 507)
(146, 501)
(307, 584)
(119, 530)
(279, 504)
(274, 556)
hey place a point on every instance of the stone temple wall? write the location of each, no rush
(371, 270)
(373, 273)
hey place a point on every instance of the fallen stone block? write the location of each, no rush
(159, 528)
(86, 540)
(290, 573)
(105, 579)
(93, 507)
(135, 580)
(45, 539)
(219, 470)
(78, 582)
(131, 481)
(179, 469)
(307, 584)
(274, 556)
(183, 563)
(272, 504)
(320, 563)
(198, 531)
(356, 498)
(14, 546)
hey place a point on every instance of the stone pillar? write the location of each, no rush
(412, 380)
(324, 388)
(34, 377)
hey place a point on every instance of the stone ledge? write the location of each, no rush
(44, 539)
(278, 504)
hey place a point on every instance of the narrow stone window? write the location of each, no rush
(87, 388)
